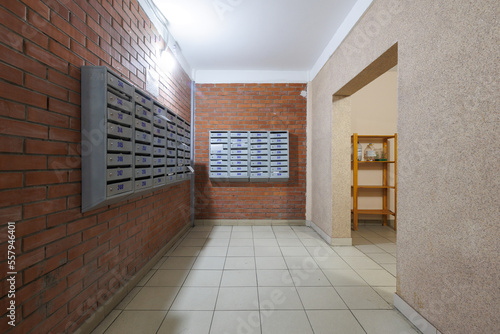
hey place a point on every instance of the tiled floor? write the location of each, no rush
(266, 280)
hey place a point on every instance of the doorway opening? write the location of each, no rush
(370, 99)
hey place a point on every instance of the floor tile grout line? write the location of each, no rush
(357, 320)
(106, 329)
(219, 287)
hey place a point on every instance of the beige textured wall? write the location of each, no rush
(448, 129)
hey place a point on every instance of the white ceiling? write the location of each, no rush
(258, 40)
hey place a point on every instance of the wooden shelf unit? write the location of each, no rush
(384, 186)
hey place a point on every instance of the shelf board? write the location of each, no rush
(371, 162)
(374, 136)
(375, 212)
(375, 187)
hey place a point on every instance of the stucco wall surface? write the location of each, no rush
(448, 138)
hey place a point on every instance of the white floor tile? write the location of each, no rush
(300, 228)
(301, 263)
(378, 239)
(321, 251)
(262, 229)
(198, 234)
(362, 298)
(153, 298)
(195, 299)
(270, 262)
(289, 242)
(128, 298)
(388, 247)
(265, 242)
(220, 235)
(146, 278)
(320, 298)
(264, 235)
(267, 251)
(240, 251)
(241, 235)
(239, 278)
(233, 263)
(209, 262)
(213, 251)
(377, 277)
(200, 228)
(242, 228)
(391, 268)
(106, 322)
(279, 298)
(237, 298)
(184, 322)
(204, 278)
(159, 262)
(334, 322)
(285, 322)
(331, 263)
(216, 242)
(144, 322)
(282, 229)
(358, 262)
(261, 279)
(294, 251)
(358, 241)
(247, 322)
(285, 235)
(348, 251)
(312, 242)
(186, 251)
(222, 228)
(168, 278)
(383, 322)
(309, 235)
(192, 242)
(309, 278)
(383, 258)
(386, 292)
(370, 249)
(344, 277)
(184, 262)
(274, 278)
(241, 243)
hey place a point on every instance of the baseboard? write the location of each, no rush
(331, 241)
(248, 222)
(102, 312)
(414, 317)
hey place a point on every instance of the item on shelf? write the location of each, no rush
(380, 154)
(360, 152)
(370, 154)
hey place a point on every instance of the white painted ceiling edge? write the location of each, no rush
(225, 76)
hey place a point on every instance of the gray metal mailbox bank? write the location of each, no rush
(131, 143)
(249, 156)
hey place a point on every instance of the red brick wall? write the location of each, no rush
(251, 107)
(70, 263)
